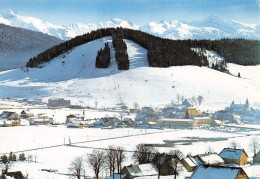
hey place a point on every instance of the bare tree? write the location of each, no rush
(176, 156)
(5, 164)
(254, 145)
(234, 144)
(96, 160)
(144, 154)
(178, 98)
(76, 167)
(29, 157)
(136, 105)
(209, 150)
(200, 99)
(120, 158)
(121, 115)
(111, 159)
(182, 98)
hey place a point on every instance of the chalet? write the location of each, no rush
(10, 119)
(141, 170)
(147, 110)
(175, 123)
(239, 108)
(204, 122)
(212, 159)
(256, 158)
(234, 156)
(216, 172)
(59, 102)
(189, 163)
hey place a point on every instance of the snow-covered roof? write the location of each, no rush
(117, 176)
(189, 102)
(214, 172)
(146, 109)
(190, 161)
(231, 153)
(211, 159)
(142, 170)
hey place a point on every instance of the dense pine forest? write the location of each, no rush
(161, 52)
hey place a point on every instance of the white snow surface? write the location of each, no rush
(78, 78)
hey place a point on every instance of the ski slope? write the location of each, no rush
(78, 79)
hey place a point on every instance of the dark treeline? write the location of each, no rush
(120, 50)
(164, 52)
(103, 57)
(240, 51)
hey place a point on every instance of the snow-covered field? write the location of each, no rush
(30, 137)
(78, 79)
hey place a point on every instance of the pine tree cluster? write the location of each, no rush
(120, 50)
(161, 52)
(103, 57)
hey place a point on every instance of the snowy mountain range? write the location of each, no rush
(210, 28)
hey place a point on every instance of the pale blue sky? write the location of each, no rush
(137, 11)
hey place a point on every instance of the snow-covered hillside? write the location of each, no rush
(78, 78)
(210, 28)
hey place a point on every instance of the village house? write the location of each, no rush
(218, 172)
(141, 170)
(147, 110)
(190, 103)
(74, 118)
(129, 122)
(132, 110)
(107, 122)
(234, 156)
(189, 163)
(256, 158)
(10, 119)
(41, 119)
(212, 159)
(59, 102)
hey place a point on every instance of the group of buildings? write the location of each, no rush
(184, 115)
(228, 164)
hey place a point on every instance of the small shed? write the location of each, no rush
(140, 170)
(212, 159)
(189, 163)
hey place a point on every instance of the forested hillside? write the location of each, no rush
(163, 52)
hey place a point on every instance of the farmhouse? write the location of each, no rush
(175, 123)
(190, 102)
(217, 172)
(204, 122)
(74, 118)
(140, 170)
(26, 114)
(236, 156)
